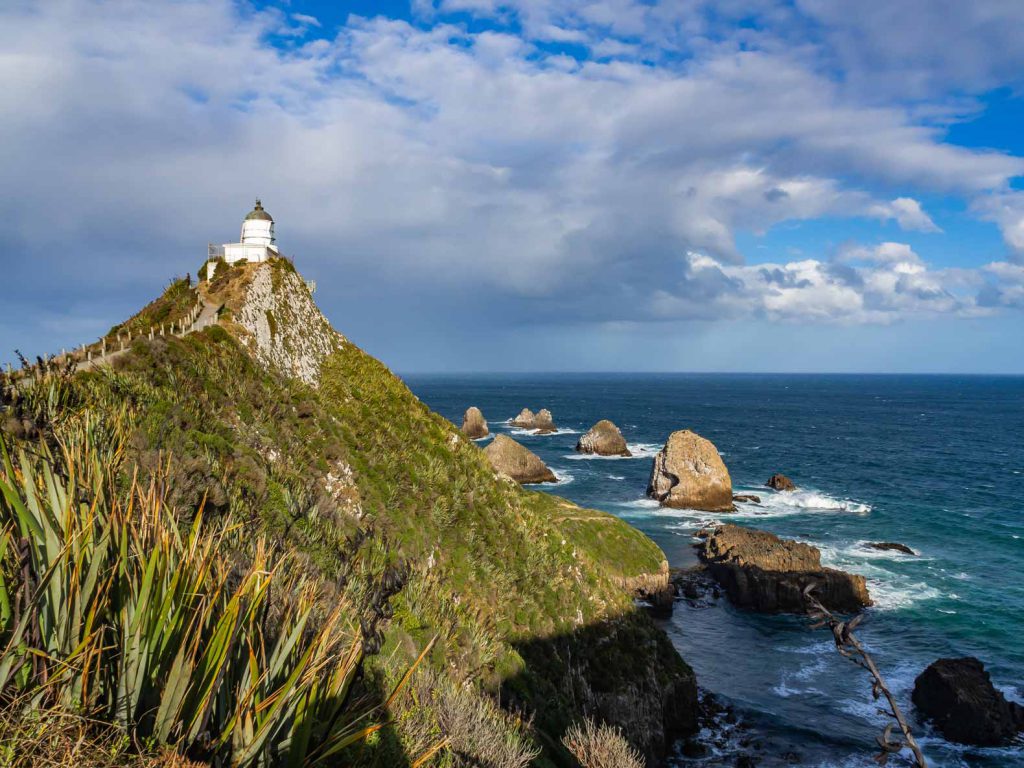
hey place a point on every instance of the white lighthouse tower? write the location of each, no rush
(257, 242)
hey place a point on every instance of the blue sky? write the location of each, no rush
(770, 185)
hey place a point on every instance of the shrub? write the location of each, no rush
(600, 746)
(107, 609)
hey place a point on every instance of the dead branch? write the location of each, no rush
(850, 647)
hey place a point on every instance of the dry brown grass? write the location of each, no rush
(600, 746)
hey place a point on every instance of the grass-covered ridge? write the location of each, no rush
(385, 505)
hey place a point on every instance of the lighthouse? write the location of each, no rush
(256, 243)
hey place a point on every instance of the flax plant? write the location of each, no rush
(107, 608)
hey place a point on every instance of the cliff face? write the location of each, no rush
(281, 324)
(277, 417)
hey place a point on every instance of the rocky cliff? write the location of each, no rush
(275, 418)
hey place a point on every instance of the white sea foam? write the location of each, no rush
(616, 477)
(564, 477)
(536, 433)
(638, 451)
(640, 504)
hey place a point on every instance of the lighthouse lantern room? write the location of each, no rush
(257, 242)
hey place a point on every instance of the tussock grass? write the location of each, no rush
(109, 614)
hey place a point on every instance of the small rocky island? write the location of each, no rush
(542, 422)
(518, 462)
(603, 439)
(762, 572)
(688, 473)
(959, 697)
(780, 482)
(474, 426)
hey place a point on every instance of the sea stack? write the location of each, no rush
(543, 422)
(688, 473)
(762, 572)
(958, 696)
(473, 424)
(525, 420)
(513, 460)
(603, 439)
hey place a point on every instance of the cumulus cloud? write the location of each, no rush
(876, 284)
(907, 212)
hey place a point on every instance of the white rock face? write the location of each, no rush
(288, 331)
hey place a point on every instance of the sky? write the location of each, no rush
(534, 185)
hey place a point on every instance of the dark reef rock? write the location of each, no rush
(518, 462)
(762, 572)
(891, 546)
(958, 696)
(603, 439)
(780, 483)
(747, 497)
(688, 473)
(473, 424)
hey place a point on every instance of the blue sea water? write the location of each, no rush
(934, 462)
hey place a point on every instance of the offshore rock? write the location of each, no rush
(603, 439)
(762, 572)
(513, 460)
(780, 483)
(473, 424)
(891, 546)
(543, 422)
(958, 695)
(525, 420)
(688, 473)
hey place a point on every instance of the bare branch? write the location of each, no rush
(850, 647)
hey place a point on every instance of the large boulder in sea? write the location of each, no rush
(958, 696)
(518, 462)
(525, 420)
(603, 439)
(544, 422)
(473, 424)
(780, 483)
(762, 572)
(688, 473)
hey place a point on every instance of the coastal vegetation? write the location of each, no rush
(317, 506)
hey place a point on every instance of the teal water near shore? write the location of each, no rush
(933, 462)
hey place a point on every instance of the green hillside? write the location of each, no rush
(276, 423)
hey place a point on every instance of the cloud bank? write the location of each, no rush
(574, 161)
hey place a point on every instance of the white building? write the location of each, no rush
(257, 242)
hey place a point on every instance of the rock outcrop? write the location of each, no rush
(656, 589)
(603, 439)
(780, 483)
(958, 696)
(542, 421)
(285, 329)
(688, 473)
(890, 546)
(525, 420)
(748, 498)
(513, 460)
(473, 424)
(762, 572)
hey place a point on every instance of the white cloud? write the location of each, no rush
(879, 284)
(457, 163)
(907, 212)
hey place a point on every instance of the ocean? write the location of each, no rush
(933, 462)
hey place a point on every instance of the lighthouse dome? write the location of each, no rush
(258, 227)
